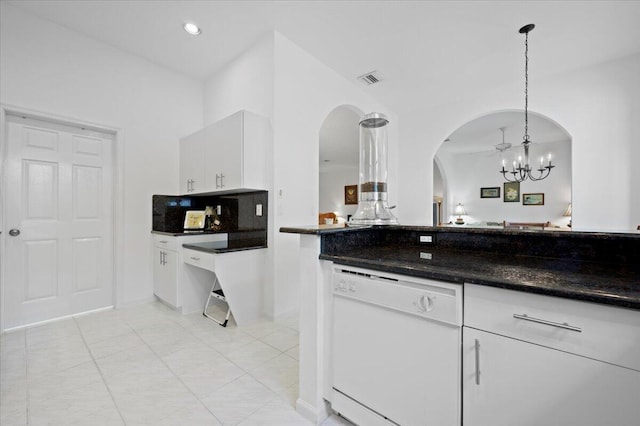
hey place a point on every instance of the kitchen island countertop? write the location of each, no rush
(594, 267)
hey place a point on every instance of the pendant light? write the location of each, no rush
(522, 171)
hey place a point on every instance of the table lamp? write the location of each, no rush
(567, 213)
(459, 210)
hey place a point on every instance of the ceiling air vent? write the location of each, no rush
(371, 77)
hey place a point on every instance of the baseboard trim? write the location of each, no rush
(36, 324)
(316, 415)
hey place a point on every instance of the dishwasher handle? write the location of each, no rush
(425, 303)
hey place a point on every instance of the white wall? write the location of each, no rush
(306, 91)
(247, 83)
(48, 68)
(331, 185)
(467, 173)
(598, 107)
(277, 79)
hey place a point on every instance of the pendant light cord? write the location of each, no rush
(526, 87)
(524, 171)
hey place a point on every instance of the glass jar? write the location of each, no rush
(372, 182)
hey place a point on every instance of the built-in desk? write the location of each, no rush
(239, 267)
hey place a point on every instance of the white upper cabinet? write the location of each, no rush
(223, 152)
(232, 153)
(192, 163)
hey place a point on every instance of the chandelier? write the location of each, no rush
(522, 171)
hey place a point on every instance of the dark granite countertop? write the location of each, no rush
(187, 233)
(597, 267)
(318, 229)
(605, 283)
(227, 246)
(480, 231)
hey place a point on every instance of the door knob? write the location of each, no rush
(14, 232)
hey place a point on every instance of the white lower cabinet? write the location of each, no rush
(530, 369)
(165, 275)
(174, 282)
(519, 383)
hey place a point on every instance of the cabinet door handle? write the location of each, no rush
(218, 179)
(221, 180)
(194, 258)
(477, 348)
(564, 325)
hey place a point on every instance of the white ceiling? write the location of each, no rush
(422, 48)
(427, 51)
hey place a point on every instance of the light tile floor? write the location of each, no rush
(149, 365)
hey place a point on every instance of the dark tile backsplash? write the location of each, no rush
(238, 211)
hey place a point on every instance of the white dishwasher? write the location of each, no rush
(395, 348)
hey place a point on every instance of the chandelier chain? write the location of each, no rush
(526, 87)
(522, 171)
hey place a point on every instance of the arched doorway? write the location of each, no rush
(470, 160)
(338, 157)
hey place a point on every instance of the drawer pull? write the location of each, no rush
(546, 322)
(477, 347)
(194, 258)
(163, 241)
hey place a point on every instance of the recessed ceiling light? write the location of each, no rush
(191, 28)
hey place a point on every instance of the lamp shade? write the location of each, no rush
(567, 211)
(459, 210)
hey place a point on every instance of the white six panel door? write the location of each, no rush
(59, 196)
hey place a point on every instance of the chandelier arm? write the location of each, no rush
(523, 174)
(518, 175)
(543, 174)
(504, 175)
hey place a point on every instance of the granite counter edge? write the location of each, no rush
(222, 250)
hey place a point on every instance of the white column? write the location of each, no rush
(315, 292)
